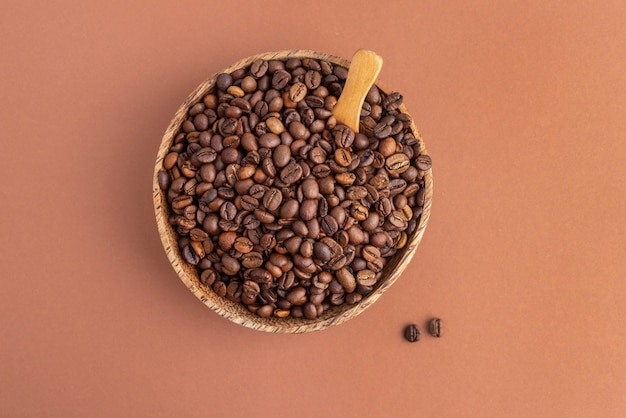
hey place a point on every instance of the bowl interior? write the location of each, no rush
(237, 312)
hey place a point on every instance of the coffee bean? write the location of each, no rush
(435, 327)
(424, 162)
(182, 201)
(297, 92)
(291, 173)
(397, 163)
(346, 279)
(366, 277)
(392, 101)
(224, 81)
(272, 199)
(308, 209)
(281, 155)
(344, 136)
(343, 157)
(412, 333)
(259, 68)
(280, 79)
(310, 188)
(163, 179)
(190, 255)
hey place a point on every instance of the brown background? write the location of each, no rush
(522, 106)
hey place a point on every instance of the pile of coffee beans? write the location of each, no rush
(280, 207)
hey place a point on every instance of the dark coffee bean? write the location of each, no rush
(190, 255)
(346, 279)
(424, 162)
(224, 81)
(321, 171)
(268, 241)
(280, 79)
(208, 277)
(259, 68)
(182, 201)
(297, 296)
(198, 234)
(291, 173)
(396, 186)
(312, 79)
(398, 220)
(344, 136)
(322, 251)
(309, 310)
(310, 189)
(308, 209)
(252, 260)
(257, 191)
(329, 225)
(282, 155)
(382, 130)
(304, 264)
(435, 327)
(219, 287)
(163, 179)
(323, 207)
(412, 333)
(314, 102)
(263, 216)
(228, 211)
(392, 101)
(272, 199)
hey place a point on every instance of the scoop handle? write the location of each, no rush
(362, 74)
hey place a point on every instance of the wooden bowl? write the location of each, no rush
(237, 312)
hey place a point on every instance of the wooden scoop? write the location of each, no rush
(364, 69)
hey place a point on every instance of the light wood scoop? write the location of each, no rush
(362, 74)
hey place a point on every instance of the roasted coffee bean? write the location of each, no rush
(435, 327)
(272, 199)
(268, 241)
(310, 189)
(163, 179)
(397, 163)
(224, 81)
(344, 136)
(281, 155)
(228, 211)
(412, 333)
(190, 255)
(424, 162)
(382, 130)
(346, 279)
(359, 212)
(343, 157)
(208, 277)
(297, 92)
(329, 225)
(280, 79)
(291, 173)
(392, 101)
(366, 277)
(259, 68)
(308, 209)
(182, 201)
